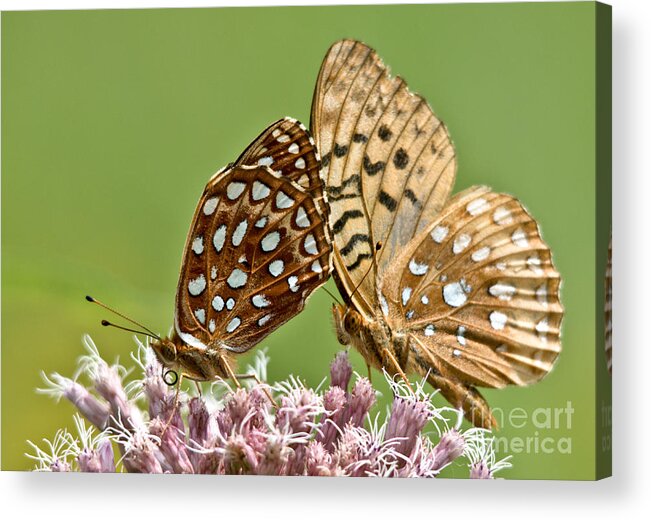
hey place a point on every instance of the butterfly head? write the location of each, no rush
(191, 362)
(166, 352)
(348, 323)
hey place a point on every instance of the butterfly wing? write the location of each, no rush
(287, 148)
(478, 294)
(389, 163)
(257, 248)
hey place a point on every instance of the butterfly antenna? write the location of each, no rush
(107, 323)
(378, 246)
(331, 295)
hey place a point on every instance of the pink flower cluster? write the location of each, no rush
(304, 432)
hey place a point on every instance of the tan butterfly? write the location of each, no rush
(258, 246)
(462, 289)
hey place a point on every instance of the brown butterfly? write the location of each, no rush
(463, 289)
(258, 246)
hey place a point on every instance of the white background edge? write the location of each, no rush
(627, 494)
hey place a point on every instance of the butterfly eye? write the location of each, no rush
(338, 312)
(166, 351)
(352, 322)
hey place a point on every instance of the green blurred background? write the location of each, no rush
(113, 121)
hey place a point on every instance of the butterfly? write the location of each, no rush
(459, 289)
(258, 246)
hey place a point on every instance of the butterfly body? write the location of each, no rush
(258, 246)
(371, 337)
(463, 290)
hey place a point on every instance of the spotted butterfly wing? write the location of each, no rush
(462, 290)
(477, 294)
(288, 149)
(389, 160)
(258, 246)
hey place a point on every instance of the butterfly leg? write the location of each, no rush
(474, 406)
(368, 369)
(231, 375)
(397, 368)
